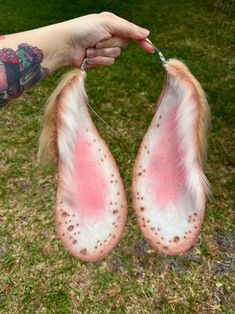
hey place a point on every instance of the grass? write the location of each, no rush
(37, 275)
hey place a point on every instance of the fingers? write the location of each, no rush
(106, 52)
(98, 61)
(145, 45)
(122, 28)
(113, 42)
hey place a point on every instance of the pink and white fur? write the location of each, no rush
(91, 205)
(169, 186)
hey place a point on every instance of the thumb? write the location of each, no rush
(118, 26)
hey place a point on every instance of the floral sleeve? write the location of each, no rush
(19, 70)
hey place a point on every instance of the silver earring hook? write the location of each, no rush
(83, 64)
(162, 58)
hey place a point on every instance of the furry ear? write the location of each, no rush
(169, 186)
(91, 205)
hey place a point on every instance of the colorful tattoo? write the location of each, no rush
(19, 70)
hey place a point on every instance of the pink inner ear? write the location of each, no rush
(163, 168)
(89, 180)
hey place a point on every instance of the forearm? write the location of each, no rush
(27, 57)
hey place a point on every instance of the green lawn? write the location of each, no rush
(37, 275)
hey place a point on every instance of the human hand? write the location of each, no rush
(100, 37)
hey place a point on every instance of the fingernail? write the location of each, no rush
(149, 41)
(144, 31)
(90, 52)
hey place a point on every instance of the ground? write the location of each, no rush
(37, 275)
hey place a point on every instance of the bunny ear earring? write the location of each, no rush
(91, 204)
(169, 187)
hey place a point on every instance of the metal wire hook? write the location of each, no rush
(162, 58)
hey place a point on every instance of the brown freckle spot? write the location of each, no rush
(144, 226)
(102, 159)
(148, 221)
(96, 247)
(99, 149)
(186, 232)
(170, 241)
(105, 241)
(113, 223)
(143, 219)
(101, 244)
(158, 242)
(145, 147)
(75, 233)
(144, 170)
(66, 222)
(70, 228)
(74, 241)
(142, 209)
(70, 238)
(138, 193)
(185, 237)
(195, 214)
(115, 211)
(87, 130)
(157, 125)
(152, 228)
(77, 225)
(138, 198)
(156, 233)
(105, 156)
(189, 231)
(112, 175)
(63, 234)
(70, 220)
(165, 247)
(114, 236)
(118, 193)
(98, 241)
(111, 203)
(101, 251)
(162, 238)
(116, 181)
(111, 181)
(61, 209)
(176, 239)
(142, 198)
(65, 214)
(194, 219)
(158, 229)
(60, 223)
(148, 152)
(110, 234)
(160, 117)
(140, 173)
(73, 215)
(83, 251)
(195, 227)
(190, 216)
(78, 232)
(94, 140)
(115, 203)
